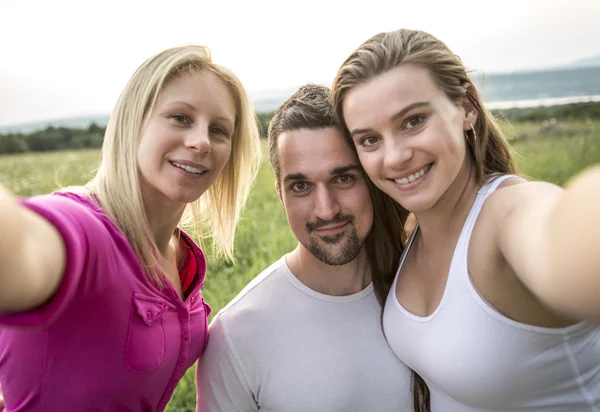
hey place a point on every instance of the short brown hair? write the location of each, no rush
(311, 107)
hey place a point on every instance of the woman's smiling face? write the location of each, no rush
(409, 135)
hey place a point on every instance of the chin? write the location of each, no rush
(184, 197)
(416, 205)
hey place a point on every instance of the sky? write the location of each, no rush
(62, 58)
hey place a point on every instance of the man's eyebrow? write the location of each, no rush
(344, 169)
(334, 171)
(395, 116)
(294, 176)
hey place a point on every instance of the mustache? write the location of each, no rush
(319, 223)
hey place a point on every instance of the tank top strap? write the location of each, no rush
(459, 259)
(490, 185)
(403, 256)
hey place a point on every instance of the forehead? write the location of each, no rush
(200, 89)
(386, 93)
(313, 153)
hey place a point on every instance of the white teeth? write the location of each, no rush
(413, 177)
(189, 168)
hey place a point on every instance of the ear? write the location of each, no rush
(278, 189)
(471, 113)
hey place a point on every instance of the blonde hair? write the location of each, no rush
(385, 51)
(117, 183)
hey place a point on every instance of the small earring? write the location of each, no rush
(474, 134)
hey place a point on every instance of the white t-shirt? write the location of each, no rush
(281, 346)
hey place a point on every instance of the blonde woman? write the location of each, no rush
(100, 285)
(496, 301)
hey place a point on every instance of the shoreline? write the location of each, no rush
(541, 102)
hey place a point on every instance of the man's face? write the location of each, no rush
(324, 194)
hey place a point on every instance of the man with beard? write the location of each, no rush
(305, 334)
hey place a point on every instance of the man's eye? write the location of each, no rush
(299, 187)
(345, 179)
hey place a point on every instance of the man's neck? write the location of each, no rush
(342, 280)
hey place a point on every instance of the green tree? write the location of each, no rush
(13, 143)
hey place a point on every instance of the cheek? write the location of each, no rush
(149, 148)
(454, 147)
(369, 161)
(223, 154)
(297, 216)
(358, 203)
(366, 207)
(143, 158)
(453, 138)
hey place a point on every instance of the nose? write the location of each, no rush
(397, 152)
(198, 139)
(326, 204)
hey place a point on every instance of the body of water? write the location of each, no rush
(549, 101)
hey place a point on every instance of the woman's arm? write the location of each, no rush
(551, 239)
(32, 257)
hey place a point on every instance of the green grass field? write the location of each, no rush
(552, 154)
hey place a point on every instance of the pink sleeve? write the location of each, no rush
(77, 224)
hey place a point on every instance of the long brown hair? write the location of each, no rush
(490, 150)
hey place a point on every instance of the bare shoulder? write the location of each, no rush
(512, 195)
(494, 210)
(515, 192)
(515, 206)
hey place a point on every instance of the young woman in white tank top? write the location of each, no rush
(496, 303)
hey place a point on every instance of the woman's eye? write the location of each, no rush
(180, 118)
(220, 130)
(368, 141)
(414, 121)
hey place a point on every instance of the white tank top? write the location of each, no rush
(473, 358)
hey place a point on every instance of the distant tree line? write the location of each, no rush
(63, 138)
(52, 138)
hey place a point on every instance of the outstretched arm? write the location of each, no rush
(551, 238)
(574, 246)
(32, 257)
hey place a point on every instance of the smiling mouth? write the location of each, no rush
(415, 176)
(189, 169)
